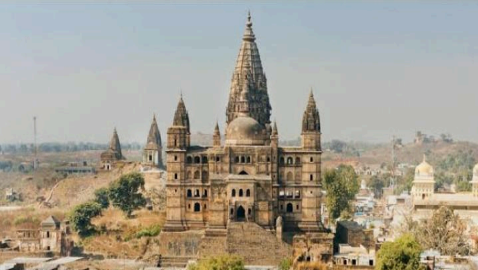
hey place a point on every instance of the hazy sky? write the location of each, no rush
(376, 69)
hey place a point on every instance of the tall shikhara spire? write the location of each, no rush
(154, 137)
(115, 145)
(311, 119)
(181, 116)
(249, 80)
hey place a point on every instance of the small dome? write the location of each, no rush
(424, 168)
(245, 130)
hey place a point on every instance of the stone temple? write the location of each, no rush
(249, 195)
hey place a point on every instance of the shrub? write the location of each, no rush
(101, 197)
(223, 262)
(285, 264)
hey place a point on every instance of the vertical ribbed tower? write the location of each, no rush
(250, 78)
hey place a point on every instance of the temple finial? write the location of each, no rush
(424, 158)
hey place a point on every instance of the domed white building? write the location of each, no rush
(424, 181)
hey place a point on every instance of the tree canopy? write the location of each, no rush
(444, 231)
(402, 254)
(124, 193)
(341, 185)
(81, 216)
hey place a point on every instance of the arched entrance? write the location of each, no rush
(241, 214)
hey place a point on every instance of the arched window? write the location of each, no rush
(205, 206)
(241, 193)
(282, 160)
(190, 175)
(204, 159)
(248, 160)
(189, 206)
(289, 208)
(47, 234)
(311, 159)
(311, 177)
(189, 160)
(249, 211)
(232, 211)
(196, 175)
(297, 194)
(197, 207)
(218, 159)
(175, 176)
(243, 159)
(297, 207)
(205, 193)
(236, 160)
(233, 193)
(196, 193)
(175, 158)
(289, 161)
(197, 160)
(204, 175)
(190, 193)
(248, 193)
(268, 159)
(297, 160)
(289, 176)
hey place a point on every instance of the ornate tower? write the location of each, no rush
(311, 125)
(113, 154)
(178, 143)
(216, 137)
(311, 168)
(153, 150)
(115, 145)
(178, 133)
(249, 77)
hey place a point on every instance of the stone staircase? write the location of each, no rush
(256, 245)
(213, 244)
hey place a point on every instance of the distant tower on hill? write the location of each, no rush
(113, 154)
(152, 153)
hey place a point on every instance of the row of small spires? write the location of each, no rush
(181, 118)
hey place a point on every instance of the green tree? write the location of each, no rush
(101, 197)
(377, 185)
(341, 185)
(402, 254)
(81, 216)
(124, 193)
(444, 231)
(223, 262)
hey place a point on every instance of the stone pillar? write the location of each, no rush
(279, 228)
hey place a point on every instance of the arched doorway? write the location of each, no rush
(241, 214)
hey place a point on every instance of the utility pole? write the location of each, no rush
(35, 150)
(392, 170)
